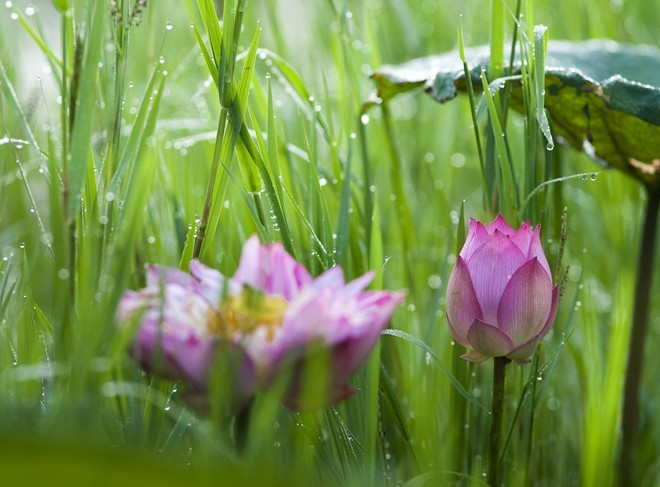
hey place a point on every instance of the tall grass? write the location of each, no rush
(130, 138)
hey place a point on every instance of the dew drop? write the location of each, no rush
(435, 281)
(168, 25)
(550, 146)
(364, 119)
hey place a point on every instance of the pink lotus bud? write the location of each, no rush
(500, 298)
(269, 315)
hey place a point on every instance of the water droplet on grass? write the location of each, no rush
(434, 281)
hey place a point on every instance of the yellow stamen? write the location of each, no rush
(244, 313)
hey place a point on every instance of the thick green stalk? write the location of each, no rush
(495, 430)
(629, 448)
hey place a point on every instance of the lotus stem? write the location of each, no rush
(640, 322)
(495, 431)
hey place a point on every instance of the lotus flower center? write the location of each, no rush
(244, 313)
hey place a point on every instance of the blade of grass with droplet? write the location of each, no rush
(187, 253)
(121, 180)
(81, 132)
(496, 61)
(33, 202)
(28, 347)
(212, 27)
(541, 187)
(302, 97)
(489, 183)
(235, 127)
(403, 213)
(98, 310)
(458, 406)
(273, 147)
(213, 69)
(316, 204)
(250, 171)
(306, 223)
(508, 186)
(10, 96)
(540, 46)
(343, 216)
(370, 393)
(456, 383)
(368, 196)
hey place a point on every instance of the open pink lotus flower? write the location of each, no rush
(270, 313)
(500, 298)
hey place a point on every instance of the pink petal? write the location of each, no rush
(491, 266)
(238, 379)
(523, 238)
(462, 303)
(536, 250)
(332, 278)
(213, 285)
(477, 235)
(522, 352)
(488, 340)
(457, 337)
(269, 268)
(173, 356)
(525, 303)
(475, 357)
(499, 223)
(344, 324)
(157, 276)
(358, 285)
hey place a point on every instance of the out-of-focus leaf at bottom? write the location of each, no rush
(39, 462)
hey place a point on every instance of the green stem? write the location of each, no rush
(495, 431)
(208, 201)
(640, 322)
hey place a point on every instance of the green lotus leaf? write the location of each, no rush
(602, 97)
